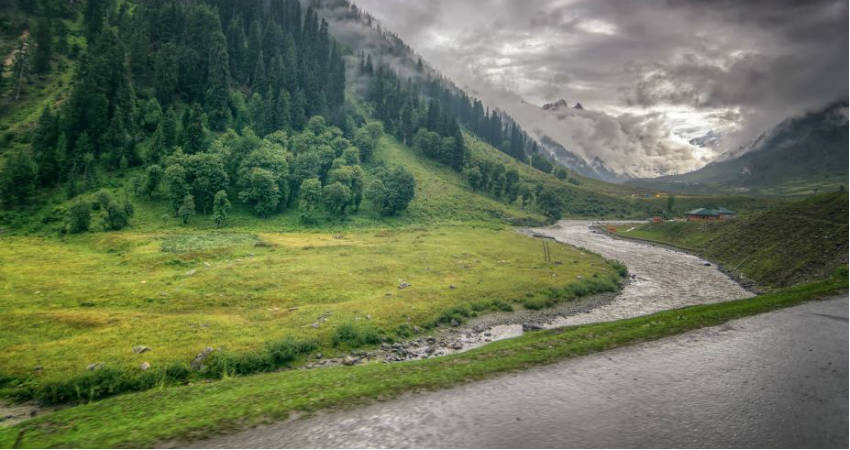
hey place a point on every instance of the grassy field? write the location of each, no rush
(190, 412)
(92, 298)
(791, 243)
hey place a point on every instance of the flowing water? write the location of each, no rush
(661, 278)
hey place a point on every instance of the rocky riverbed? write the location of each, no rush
(659, 279)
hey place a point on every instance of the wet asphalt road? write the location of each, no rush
(773, 380)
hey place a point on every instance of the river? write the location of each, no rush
(774, 380)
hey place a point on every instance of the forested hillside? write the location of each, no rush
(213, 109)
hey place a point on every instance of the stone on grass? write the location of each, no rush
(141, 349)
(198, 362)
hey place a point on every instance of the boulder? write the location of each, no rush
(198, 362)
(404, 284)
(141, 349)
(145, 366)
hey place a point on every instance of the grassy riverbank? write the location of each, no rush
(191, 412)
(178, 293)
(795, 242)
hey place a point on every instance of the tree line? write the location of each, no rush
(217, 100)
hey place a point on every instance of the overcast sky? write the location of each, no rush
(653, 73)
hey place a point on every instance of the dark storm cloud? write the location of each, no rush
(657, 69)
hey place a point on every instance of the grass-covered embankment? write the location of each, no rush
(178, 293)
(791, 243)
(187, 412)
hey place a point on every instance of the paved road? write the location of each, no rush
(774, 380)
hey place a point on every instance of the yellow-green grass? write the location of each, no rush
(91, 298)
(786, 244)
(200, 410)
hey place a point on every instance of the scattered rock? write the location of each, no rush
(315, 325)
(455, 323)
(37, 369)
(94, 366)
(350, 360)
(141, 349)
(191, 272)
(145, 365)
(457, 345)
(368, 317)
(531, 327)
(404, 284)
(207, 264)
(451, 286)
(416, 329)
(708, 264)
(198, 362)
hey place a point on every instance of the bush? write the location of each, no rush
(457, 314)
(108, 381)
(392, 191)
(286, 350)
(356, 336)
(79, 217)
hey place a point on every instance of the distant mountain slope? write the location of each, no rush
(595, 169)
(799, 156)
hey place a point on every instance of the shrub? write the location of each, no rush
(456, 313)
(286, 350)
(392, 191)
(79, 217)
(356, 336)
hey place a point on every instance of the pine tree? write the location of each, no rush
(166, 73)
(218, 81)
(221, 208)
(17, 179)
(94, 17)
(44, 148)
(187, 209)
(282, 113)
(43, 46)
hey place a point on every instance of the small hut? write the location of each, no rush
(710, 214)
(725, 214)
(703, 215)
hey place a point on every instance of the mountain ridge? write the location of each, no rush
(800, 155)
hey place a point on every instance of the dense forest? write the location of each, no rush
(219, 101)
